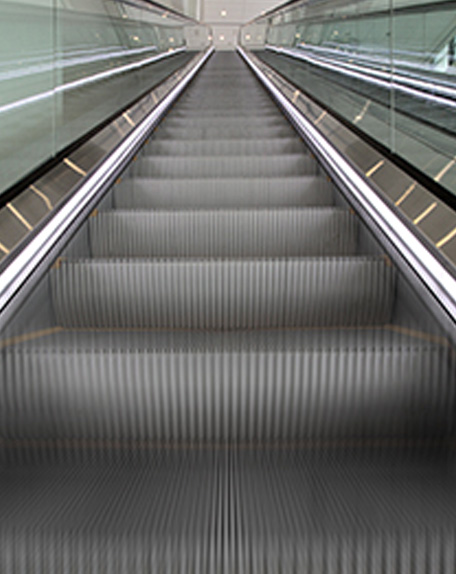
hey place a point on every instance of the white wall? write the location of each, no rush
(226, 16)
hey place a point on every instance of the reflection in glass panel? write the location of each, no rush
(109, 63)
(26, 86)
(67, 67)
(388, 67)
(423, 47)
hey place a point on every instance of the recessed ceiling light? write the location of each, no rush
(223, 13)
(222, 38)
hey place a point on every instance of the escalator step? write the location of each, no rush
(228, 132)
(149, 193)
(221, 122)
(244, 514)
(222, 233)
(223, 294)
(225, 167)
(181, 111)
(222, 148)
(216, 108)
(254, 387)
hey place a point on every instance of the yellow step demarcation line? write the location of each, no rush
(30, 336)
(375, 168)
(422, 335)
(19, 216)
(406, 193)
(128, 119)
(74, 167)
(445, 169)
(320, 117)
(431, 337)
(448, 237)
(425, 213)
(43, 196)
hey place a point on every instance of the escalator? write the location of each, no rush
(226, 373)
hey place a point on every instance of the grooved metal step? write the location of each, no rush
(221, 122)
(223, 148)
(227, 132)
(197, 112)
(223, 512)
(217, 108)
(258, 387)
(223, 294)
(150, 193)
(285, 165)
(223, 233)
